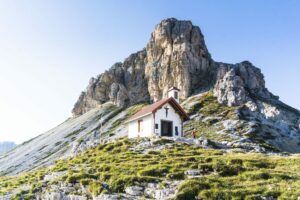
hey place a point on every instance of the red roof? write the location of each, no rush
(157, 105)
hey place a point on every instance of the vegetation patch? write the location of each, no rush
(210, 112)
(114, 166)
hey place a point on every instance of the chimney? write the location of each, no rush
(174, 92)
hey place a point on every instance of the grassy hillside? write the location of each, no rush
(124, 163)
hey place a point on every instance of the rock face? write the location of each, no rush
(176, 55)
(236, 84)
(124, 84)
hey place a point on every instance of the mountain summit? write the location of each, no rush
(176, 55)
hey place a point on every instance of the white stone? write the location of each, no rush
(134, 191)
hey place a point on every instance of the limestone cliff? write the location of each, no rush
(176, 55)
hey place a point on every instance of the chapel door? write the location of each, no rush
(166, 128)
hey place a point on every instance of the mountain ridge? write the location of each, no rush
(176, 55)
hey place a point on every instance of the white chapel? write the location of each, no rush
(163, 118)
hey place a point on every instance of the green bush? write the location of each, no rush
(235, 161)
(176, 175)
(152, 152)
(257, 176)
(118, 184)
(104, 168)
(215, 194)
(85, 181)
(74, 178)
(258, 164)
(190, 189)
(155, 171)
(226, 170)
(95, 188)
(109, 147)
(274, 194)
(206, 168)
(105, 176)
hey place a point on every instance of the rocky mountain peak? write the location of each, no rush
(176, 55)
(172, 34)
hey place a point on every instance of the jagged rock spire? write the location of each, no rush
(176, 55)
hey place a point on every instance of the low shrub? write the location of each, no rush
(176, 175)
(74, 178)
(206, 168)
(155, 171)
(190, 189)
(118, 184)
(96, 188)
(85, 181)
(257, 176)
(226, 170)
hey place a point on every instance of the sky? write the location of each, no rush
(50, 49)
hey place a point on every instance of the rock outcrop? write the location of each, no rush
(124, 84)
(239, 83)
(176, 55)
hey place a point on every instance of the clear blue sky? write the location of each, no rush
(49, 49)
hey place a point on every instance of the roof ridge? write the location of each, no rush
(155, 106)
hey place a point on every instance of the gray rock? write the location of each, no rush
(176, 55)
(169, 191)
(54, 196)
(237, 84)
(108, 197)
(230, 90)
(76, 197)
(6, 197)
(135, 191)
(54, 175)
